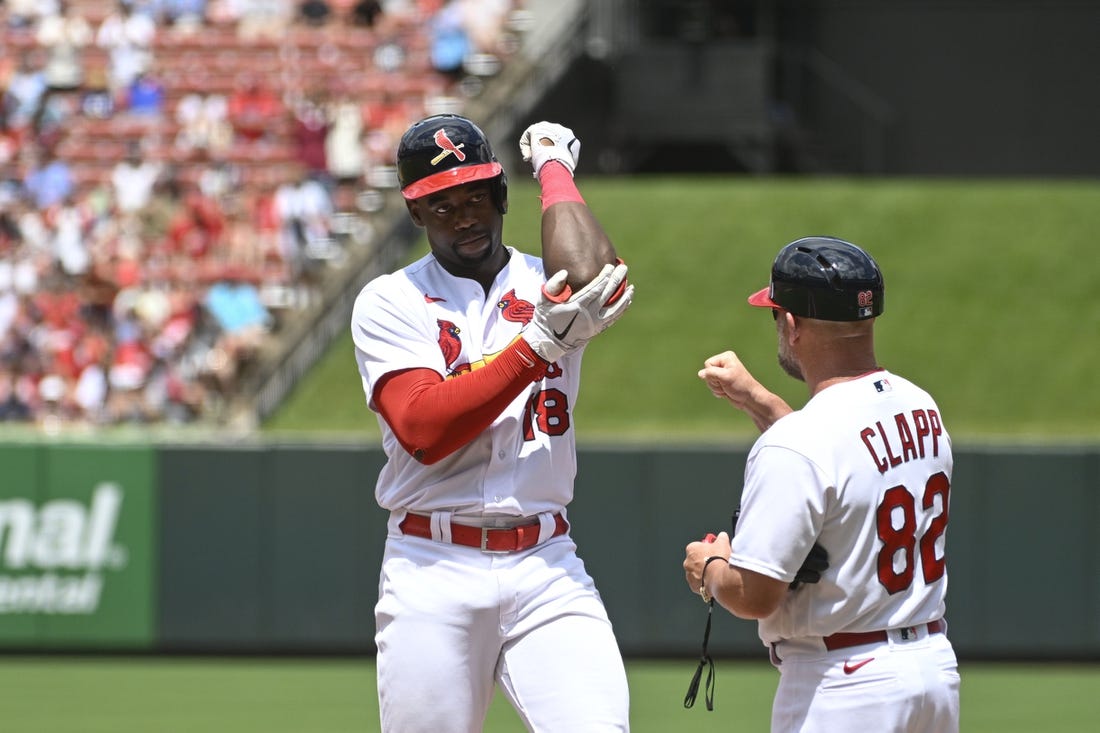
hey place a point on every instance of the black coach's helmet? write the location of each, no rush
(824, 278)
(447, 150)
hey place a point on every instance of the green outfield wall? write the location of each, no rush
(276, 548)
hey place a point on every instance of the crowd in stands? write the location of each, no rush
(175, 176)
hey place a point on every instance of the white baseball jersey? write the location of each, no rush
(422, 316)
(864, 469)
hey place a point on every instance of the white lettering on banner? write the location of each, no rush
(61, 535)
(51, 593)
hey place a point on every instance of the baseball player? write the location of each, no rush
(863, 469)
(471, 359)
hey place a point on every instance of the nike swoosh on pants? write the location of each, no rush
(850, 667)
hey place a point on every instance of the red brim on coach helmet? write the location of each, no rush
(763, 299)
(450, 178)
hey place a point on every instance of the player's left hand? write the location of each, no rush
(546, 141)
(564, 321)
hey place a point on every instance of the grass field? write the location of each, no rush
(189, 695)
(991, 302)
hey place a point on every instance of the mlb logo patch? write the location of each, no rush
(883, 385)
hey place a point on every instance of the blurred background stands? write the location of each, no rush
(157, 158)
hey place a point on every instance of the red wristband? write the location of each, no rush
(557, 185)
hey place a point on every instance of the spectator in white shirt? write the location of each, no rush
(24, 14)
(132, 181)
(305, 209)
(64, 34)
(128, 38)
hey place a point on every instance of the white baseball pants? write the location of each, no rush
(453, 622)
(898, 686)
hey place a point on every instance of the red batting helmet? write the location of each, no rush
(447, 150)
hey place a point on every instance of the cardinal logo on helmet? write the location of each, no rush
(448, 147)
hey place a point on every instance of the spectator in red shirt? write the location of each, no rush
(197, 225)
(253, 108)
(311, 129)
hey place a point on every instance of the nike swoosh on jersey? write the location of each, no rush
(850, 667)
(565, 331)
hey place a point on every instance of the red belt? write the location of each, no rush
(489, 539)
(845, 640)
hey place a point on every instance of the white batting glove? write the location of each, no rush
(563, 321)
(546, 141)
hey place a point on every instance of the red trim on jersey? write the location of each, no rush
(450, 178)
(432, 417)
(557, 185)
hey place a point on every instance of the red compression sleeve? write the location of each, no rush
(433, 417)
(557, 185)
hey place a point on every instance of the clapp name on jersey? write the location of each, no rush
(912, 432)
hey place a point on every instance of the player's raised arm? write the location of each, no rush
(572, 238)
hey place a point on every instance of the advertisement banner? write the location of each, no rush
(76, 546)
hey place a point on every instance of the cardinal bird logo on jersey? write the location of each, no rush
(448, 147)
(515, 309)
(449, 342)
(433, 299)
(451, 345)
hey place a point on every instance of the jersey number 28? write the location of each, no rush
(904, 539)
